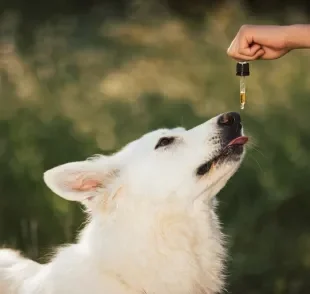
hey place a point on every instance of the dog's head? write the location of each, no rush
(179, 163)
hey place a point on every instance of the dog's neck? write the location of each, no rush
(173, 249)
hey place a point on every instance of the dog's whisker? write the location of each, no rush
(260, 152)
(257, 163)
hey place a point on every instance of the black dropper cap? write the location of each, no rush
(243, 69)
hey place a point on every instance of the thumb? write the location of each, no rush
(259, 54)
(249, 50)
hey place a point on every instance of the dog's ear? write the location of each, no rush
(80, 181)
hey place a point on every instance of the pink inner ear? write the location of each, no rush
(85, 184)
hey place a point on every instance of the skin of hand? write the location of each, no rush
(260, 42)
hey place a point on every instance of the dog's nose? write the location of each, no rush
(229, 119)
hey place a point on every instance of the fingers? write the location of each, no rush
(242, 47)
(245, 54)
(244, 42)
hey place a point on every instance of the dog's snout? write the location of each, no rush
(230, 125)
(229, 119)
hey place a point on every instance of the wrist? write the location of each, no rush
(297, 36)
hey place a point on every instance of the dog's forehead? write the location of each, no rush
(153, 136)
(148, 140)
(156, 134)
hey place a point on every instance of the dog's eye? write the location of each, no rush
(165, 141)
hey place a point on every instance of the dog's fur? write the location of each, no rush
(152, 223)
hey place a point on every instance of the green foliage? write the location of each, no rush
(91, 84)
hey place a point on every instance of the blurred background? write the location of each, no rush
(85, 77)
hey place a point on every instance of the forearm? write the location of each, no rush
(298, 36)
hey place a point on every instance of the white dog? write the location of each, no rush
(152, 224)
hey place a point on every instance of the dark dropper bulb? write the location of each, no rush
(243, 69)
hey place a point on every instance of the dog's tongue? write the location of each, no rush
(238, 141)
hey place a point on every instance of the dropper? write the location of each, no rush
(242, 70)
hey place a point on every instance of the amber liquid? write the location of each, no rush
(242, 100)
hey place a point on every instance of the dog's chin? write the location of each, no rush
(231, 154)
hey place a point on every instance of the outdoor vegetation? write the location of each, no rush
(87, 82)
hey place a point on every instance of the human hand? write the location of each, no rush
(260, 42)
